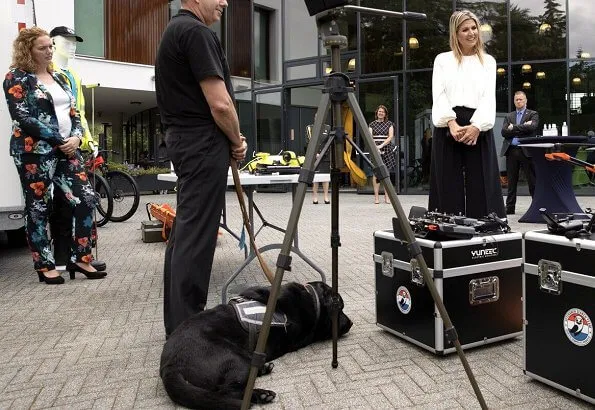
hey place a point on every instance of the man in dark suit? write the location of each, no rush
(519, 124)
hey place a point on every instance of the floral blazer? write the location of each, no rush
(35, 126)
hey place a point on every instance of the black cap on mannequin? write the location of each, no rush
(65, 32)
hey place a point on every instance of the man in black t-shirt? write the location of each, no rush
(195, 98)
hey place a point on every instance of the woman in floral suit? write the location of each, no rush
(46, 134)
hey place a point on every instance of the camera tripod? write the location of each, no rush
(338, 91)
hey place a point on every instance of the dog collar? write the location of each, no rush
(312, 292)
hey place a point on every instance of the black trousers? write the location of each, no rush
(464, 179)
(200, 157)
(515, 160)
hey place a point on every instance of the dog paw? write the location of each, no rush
(262, 396)
(267, 368)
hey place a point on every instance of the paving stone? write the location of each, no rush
(97, 344)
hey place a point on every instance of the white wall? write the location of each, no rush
(113, 74)
(52, 13)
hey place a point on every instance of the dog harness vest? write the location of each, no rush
(250, 314)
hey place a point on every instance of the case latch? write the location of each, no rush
(387, 264)
(417, 275)
(550, 276)
(484, 290)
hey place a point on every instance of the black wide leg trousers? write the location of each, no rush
(200, 156)
(465, 179)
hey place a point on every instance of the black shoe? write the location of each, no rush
(509, 211)
(327, 202)
(58, 280)
(73, 267)
(315, 202)
(99, 265)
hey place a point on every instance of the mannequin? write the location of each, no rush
(65, 40)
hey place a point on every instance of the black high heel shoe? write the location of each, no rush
(73, 267)
(58, 280)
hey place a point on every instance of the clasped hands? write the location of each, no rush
(238, 152)
(70, 146)
(467, 134)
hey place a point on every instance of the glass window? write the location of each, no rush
(502, 95)
(301, 71)
(302, 105)
(426, 39)
(580, 26)
(419, 127)
(381, 42)
(174, 7)
(545, 86)
(262, 54)
(267, 44)
(538, 29)
(348, 28)
(268, 122)
(371, 95)
(300, 31)
(582, 97)
(493, 19)
(88, 24)
(245, 112)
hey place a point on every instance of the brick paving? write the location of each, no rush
(96, 344)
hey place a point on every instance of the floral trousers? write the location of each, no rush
(39, 173)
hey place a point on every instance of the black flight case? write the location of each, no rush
(558, 310)
(479, 280)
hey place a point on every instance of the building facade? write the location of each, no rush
(279, 65)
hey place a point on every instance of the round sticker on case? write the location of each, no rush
(403, 299)
(578, 327)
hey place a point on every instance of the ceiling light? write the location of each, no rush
(413, 42)
(351, 64)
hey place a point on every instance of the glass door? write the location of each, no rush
(372, 93)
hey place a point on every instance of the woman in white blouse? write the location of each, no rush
(464, 176)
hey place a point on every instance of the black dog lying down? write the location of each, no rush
(206, 360)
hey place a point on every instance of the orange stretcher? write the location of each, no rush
(164, 213)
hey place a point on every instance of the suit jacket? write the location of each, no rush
(519, 131)
(35, 126)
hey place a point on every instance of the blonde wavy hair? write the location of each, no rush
(22, 58)
(456, 19)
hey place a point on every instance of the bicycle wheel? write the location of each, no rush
(126, 195)
(104, 196)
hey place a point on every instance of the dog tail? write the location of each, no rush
(182, 392)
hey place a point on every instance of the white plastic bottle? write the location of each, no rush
(555, 131)
(564, 129)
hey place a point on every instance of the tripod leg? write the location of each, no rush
(414, 249)
(284, 258)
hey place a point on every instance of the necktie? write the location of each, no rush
(519, 116)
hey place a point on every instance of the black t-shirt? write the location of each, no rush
(188, 53)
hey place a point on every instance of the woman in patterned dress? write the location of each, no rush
(383, 130)
(45, 140)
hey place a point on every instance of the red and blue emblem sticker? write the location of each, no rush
(578, 327)
(403, 299)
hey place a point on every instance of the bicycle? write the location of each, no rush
(103, 192)
(126, 195)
